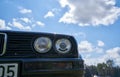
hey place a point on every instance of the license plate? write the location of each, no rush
(8, 69)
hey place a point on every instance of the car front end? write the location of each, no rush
(34, 54)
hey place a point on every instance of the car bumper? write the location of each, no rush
(60, 67)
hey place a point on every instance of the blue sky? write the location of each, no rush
(94, 23)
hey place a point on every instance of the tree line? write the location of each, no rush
(107, 69)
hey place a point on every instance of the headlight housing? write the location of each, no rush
(42, 44)
(63, 46)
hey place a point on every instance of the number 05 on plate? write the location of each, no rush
(8, 69)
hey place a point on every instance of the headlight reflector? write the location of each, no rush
(63, 46)
(42, 44)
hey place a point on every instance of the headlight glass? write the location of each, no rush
(63, 46)
(42, 44)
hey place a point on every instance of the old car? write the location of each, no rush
(35, 54)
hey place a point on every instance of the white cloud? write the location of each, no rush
(63, 2)
(91, 58)
(19, 25)
(100, 43)
(52, 13)
(94, 61)
(24, 10)
(3, 25)
(113, 54)
(79, 34)
(49, 14)
(89, 12)
(85, 47)
(25, 23)
(39, 23)
(91, 53)
(26, 20)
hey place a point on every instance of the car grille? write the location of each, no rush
(19, 45)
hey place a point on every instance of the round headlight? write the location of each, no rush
(42, 44)
(63, 46)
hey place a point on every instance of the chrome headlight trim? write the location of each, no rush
(42, 44)
(63, 46)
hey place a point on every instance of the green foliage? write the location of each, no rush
(110, 63)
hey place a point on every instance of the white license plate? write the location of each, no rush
(8, 69)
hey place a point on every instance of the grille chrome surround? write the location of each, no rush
(4, 44)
